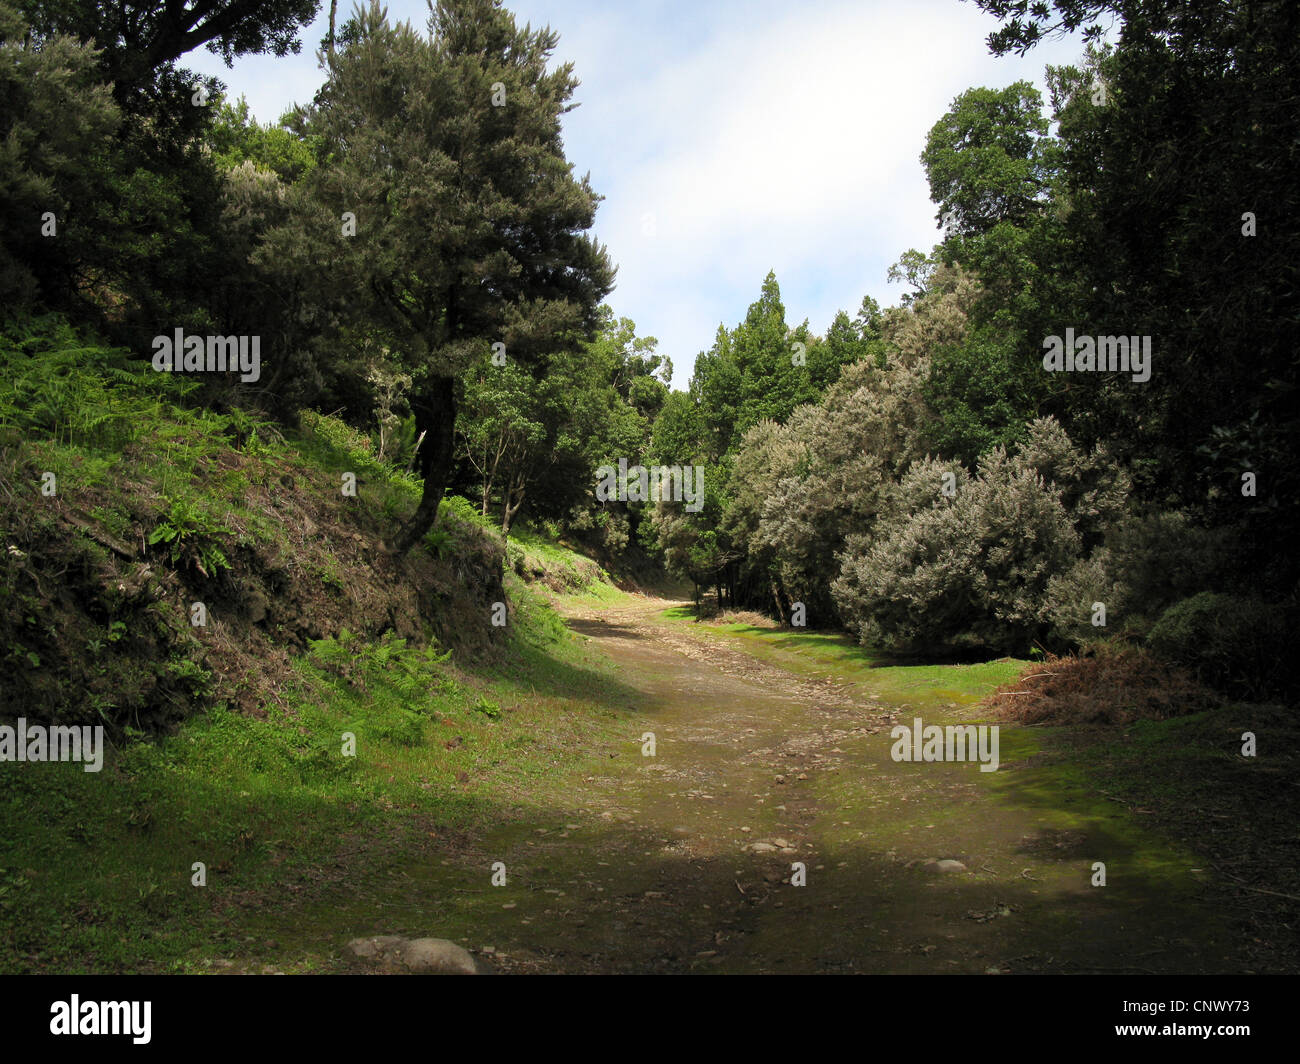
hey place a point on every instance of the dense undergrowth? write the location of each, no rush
(163, 555)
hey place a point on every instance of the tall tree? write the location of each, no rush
(470, 226)
(1184, 220)
(993, 171)
(57, 123)
(758, 370)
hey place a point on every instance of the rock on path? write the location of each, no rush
(418, 956)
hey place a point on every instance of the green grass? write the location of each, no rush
(95, 869)
(836, 655)
(537, 556)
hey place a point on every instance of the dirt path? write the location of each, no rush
(683, 861)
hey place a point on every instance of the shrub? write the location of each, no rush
(1235, 644)
(1094, 487)
(966, 571)
(1070, 597)
(191, 532)
(1162, 557)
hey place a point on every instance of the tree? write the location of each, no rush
(138, 38)
(237, 138)
(989, 159)
(503, 426)
(1183, 225)
(966, 569)
(470, 226)
(57, 123)
(993, 172)
(757, 371)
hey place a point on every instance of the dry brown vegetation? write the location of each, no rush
(1113, 686)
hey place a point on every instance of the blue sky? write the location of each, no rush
(730, 137)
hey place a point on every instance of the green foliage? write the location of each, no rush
(802, 488)
(993, 171)
(751, 373)
(1159, 219)
(238, 138)
(989, 159)
(458, 509)
(56, 384)
(411, 142)
(57, 123)
(190, 530)
(438, 541)
(967, 570)
(1231, 642)
(487, 708)
(141, 40)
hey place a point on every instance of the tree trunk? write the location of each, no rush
(776, 597)
(435, 414)
(515, 494)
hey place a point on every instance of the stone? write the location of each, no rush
(421, 956)
(762, 847)
(373, 948)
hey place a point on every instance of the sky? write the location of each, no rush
(734, 137)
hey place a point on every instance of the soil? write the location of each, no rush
(649, 865)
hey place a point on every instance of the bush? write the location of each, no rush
(1235, 644)
(969, 571)
(516, 559)
(1161, 557)
(1149, 562)
(1071, 596)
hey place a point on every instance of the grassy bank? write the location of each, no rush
(97, 868)
(315, 725)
